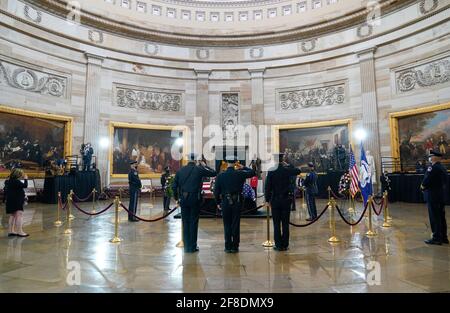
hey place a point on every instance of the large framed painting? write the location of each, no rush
(154, 147)
(416, 132)
(326, 144)
(32, 140)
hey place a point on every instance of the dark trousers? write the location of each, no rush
(438, 223)
(166, 203)
(231, 223)
(190, 210)
(281, 211)
(87, 164)
(311, 202)
(134, 196)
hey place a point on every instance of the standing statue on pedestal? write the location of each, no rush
(86, 152)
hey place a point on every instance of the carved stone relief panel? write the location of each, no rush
(230, 114)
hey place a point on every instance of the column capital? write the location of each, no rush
(366, 54)
(202, 74)
(94, 58)
(256, 72)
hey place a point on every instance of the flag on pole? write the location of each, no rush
(366, 177)
(354, 174)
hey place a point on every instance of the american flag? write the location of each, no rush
(353, 170)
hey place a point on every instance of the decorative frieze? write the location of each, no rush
(364, 30)
(95, 36)
(257, 52)
(32, 14)
(425, 75)
(24, 78)
(230, 115)
(297, 98)
(202, 54)
(427, 6)
(308, 45)
(148, 98)
(151, 48)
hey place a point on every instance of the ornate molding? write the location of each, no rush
(151, 48)
(230, 115)
(202, 54)
(425, 75)
(364, 30)
(32, 14)
(24, 78)
(308, 45)
(152, 99)
(95, 36)
(297, 98)
(424, 9)
(256, 52)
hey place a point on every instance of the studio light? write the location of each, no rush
(360, 134)
(104, 142)
(179, 142)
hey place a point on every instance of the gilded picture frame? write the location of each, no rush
(124, 125)
(68, 124)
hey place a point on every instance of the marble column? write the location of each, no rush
(257, 81)
(370, 106)
(202, 108)
(92, 111)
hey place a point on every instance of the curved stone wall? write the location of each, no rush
(371, 71)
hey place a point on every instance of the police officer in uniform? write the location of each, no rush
(228, 193)
(279, 195)
(434, 186)
(187, 188)
(135, 185)
(311, 192)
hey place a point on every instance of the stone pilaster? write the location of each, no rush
(370, 105)
(257, 78)
(202, 108)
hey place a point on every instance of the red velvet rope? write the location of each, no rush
(336, 196)
(92, 214)
(61, 206)
(349, 223)
(148, 220)
(82, 200)
(313, 221)
(381, 208)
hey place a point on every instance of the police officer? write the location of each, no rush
(187, 188)
(87, 151)
(135, 185)
(279, 195)
(165, 179)
(228, 194)
(434, 186)
(311, 192)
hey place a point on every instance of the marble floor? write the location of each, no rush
(147, 260)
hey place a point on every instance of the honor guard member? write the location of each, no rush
(311, 192)
(279, 195)
(434, 187)
(228, 193)
(135, 185)
(187, 190)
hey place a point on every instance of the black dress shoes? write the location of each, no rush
(234, 250)
(433, 242)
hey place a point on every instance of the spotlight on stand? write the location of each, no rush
(360, 134)
(179, 142)
(104, 142)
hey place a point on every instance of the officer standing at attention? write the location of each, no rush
(311, 192)
(135, 185)
(228, 194)
(279, 195)
(434, 186)
(187, 190)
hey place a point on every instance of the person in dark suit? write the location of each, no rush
(311, 192)
(87, 151)
(434, 186)
(187, 188)
(15, 200)
(279, 195)
(165, 185)
(228, 193)
(135, 185)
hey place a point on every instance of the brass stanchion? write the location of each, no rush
(329, 193)
(68, 229)
(370, 232)
(351, 209)
(71, 216)
(332, 207)
(180, 244)
(93, 201)
(385, 212)
(116, 238)
(120, 193)
(268, 243)
(58, 221)
(303, 198)
(389, 218)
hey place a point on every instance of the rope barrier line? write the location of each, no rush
(242, 213)
(336, 196)
(381, 208)
(313, 221)
(93, 214)
(355, 223)
(148, 220)
(84, 199)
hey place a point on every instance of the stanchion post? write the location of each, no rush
(389, 218)
(385, 211)
(116, 238)
(332, 208)
(303, 198)
(370, 232)
(68, 229)
(58, 221)
(93, 201)
(351, 209)
(71, 216)
(329, 193)
(180, 244)
(268, 243)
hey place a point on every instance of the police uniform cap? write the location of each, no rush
(435, 153)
